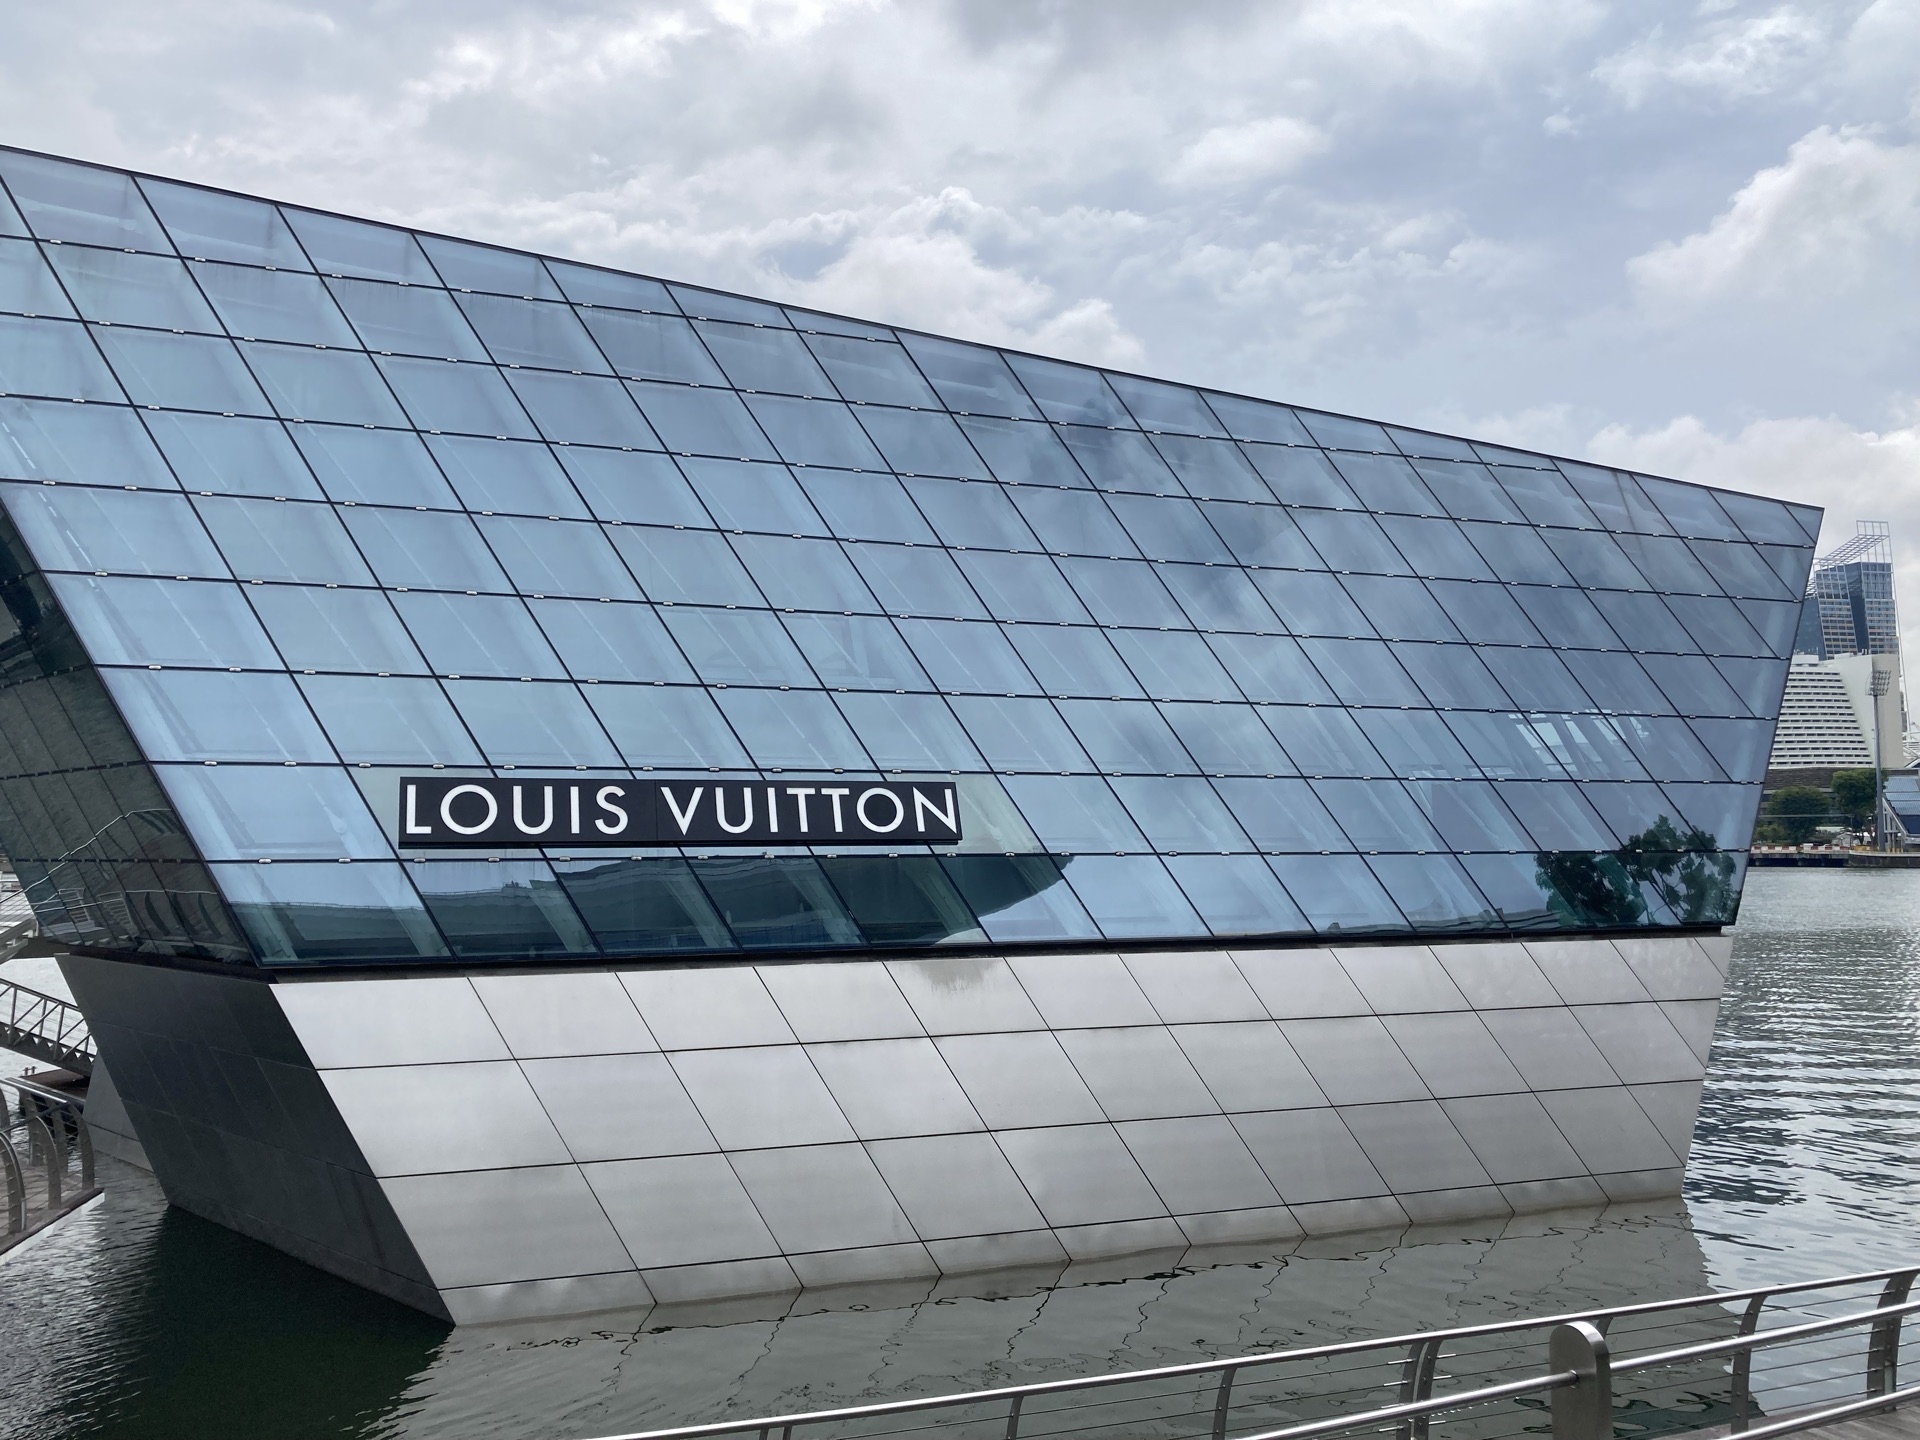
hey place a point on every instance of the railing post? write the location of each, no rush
(1883, 1348)
(1743, 1368)
(1416, 1384)
(1584, 1409)
(56, 1156)
(1223, 1401)
(1013, 1417)
(16, 1180)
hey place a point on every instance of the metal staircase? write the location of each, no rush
(44, 1028)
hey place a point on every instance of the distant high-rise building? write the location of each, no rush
(1849, 617)
(1852, 594)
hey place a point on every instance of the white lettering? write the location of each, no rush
(446, 810)
(773, 815)
(520, 820)
(947, 814)
(413, 825)
(720, 809)
(573, 808)
(601, 800)
(899, 810)
(800, 794)
(834, 795)
(684, 817)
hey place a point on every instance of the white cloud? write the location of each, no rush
(1728, 59)
(1256, 150)
(1841, 206)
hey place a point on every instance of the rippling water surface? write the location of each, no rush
(131, 1320)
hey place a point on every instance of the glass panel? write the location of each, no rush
(582, 410)
(139, 531)
(858, 651)
(1693, 684)
(1415, 743)
(531, 723)
(26, 284)
(1339, 894)
(1435, 548)
(253, 812)
(1019, 897)
(1670, 750)
(803, 574)
(1594, 559)
(815, 320)
(275, 305)
(611, 642)
(652, 347)
(915, 580)
(1074, 813)
(1174, 665)
(322, 914)
(1350, 541)
(1169, 529)
(1588, 747)
(163, 622)
(1126, 737)
(1180, 815)
(756, 358)
(1717, 625)
(972, 379)
(1669, 564)
(466, 266)
(1120, 460)
(1740, 569)
(1021, 734)
(236, 456)
(1212, 469)
(210, 226)
(1517, 554)
(10, 221)
(478, 635)
(922, 442)
(1519, 888)
(634, 486)
(868, 370)
(793, 730)
(1535, 679)
(510, 476)
(375, 467)
(1258, 420)
(217, 715)
(1159, 406)
(1302, 477)
(1226, 739)
(1646, 619)
(1616, 681)
(1634, 812)
(336, 629)
(1545, 497)
(65, 201)
(866, 507)
(1132, 896)
(1123, 592)
(1774, 621)
(1021, 587)
(56, 440)
(1401, 608)
(1757, 682)
(1504, 747)
(1716, 815)
(389, 721)
(132, 289)
(1565, 618)
(902, 900)
(712, 305)
(1433, 892)
(909, 732)
(962, 656)
(352, 247)
(1023, 454)
(668, 727)
(1430, 446)
(971, 514)
(335, 385)
(506, 908)
(1377, 815)
(782, 904)
(1217, 598)
(53, 358)
(702, 422)
(428, 549)
(1691, 509)
(1270, 667)
(643, 907)
(559, 557)
(742, 496)
(1323, 740)
(1070, 394)
(1469, 815)
(441, 395)
(1761, 520)
(1615, 498)
(1387, 482)
(815, 432)
(738, 647)
(1342, 433)
(1362, 672)
(408, 320)
(1468, 491)
(1263, 535)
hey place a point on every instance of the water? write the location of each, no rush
(132, 1320)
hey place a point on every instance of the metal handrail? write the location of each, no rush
(1580, 1375)
(49, 1116)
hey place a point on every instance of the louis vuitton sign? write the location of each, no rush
(445, 810)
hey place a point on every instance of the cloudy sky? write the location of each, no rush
(1682, 237)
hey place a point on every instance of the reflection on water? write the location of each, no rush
(132, 1320)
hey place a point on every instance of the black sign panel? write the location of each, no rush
(444, 810)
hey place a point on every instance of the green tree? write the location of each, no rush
(1692, 878)
(1793, 812)
(1853, 794)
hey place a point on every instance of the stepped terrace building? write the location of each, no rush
(569, 791)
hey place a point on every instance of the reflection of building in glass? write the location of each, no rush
(306, 517)
(1849, 629)
(1901, 817)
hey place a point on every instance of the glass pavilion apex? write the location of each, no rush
(298, 508)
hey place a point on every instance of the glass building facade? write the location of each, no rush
(296, 505)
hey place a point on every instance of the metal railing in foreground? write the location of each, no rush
(46, 1152)
(1649, 1370)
